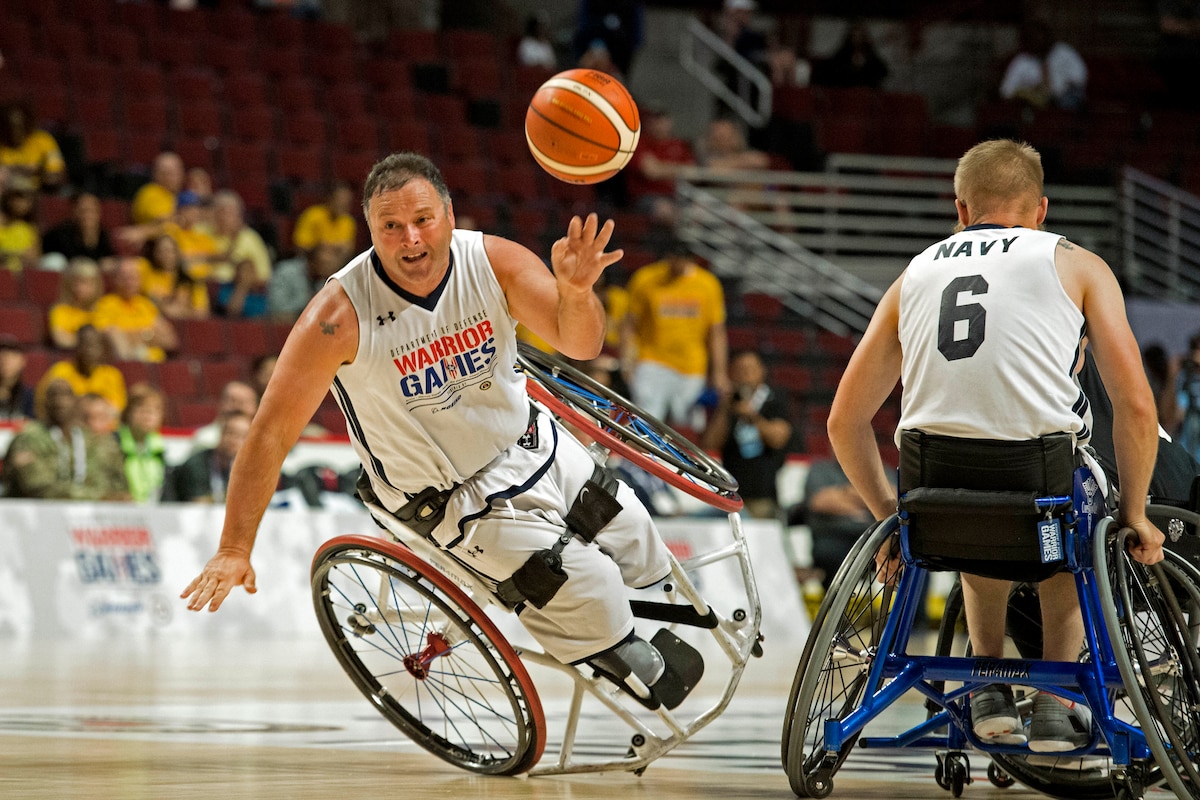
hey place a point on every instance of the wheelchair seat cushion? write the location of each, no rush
(968, 504)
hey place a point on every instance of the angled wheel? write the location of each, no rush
(625, 429)
(1152, 620)
(426, 656)
(832, 677)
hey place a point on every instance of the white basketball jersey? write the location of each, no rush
(990, 339)
(432, 396)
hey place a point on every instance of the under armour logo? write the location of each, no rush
(475, 551)
(391, 317)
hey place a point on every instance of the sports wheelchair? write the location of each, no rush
(423, 636)
(1139, 672)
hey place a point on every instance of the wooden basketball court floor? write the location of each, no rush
(155, 719)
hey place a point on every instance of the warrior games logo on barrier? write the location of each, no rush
(117, 566)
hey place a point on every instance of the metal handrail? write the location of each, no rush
(697, 37)
(1160, 238)
(738, 246)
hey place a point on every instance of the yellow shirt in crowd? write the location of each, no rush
(38, 155)
(673, 316)
(136, 314)
(152, 203)
(105, 380)
(316, 225)
(68, 318)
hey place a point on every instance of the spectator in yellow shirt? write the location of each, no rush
(20, 240)
(155, 201)
(165, 282)
(135, 327)
(329, 222)
(81, 286)
(29, 151)
(674, 337)
(200, 250)
(243, 268)
(88, 371)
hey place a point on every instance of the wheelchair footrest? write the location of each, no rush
(684, 668)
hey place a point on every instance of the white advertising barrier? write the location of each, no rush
(109, 570)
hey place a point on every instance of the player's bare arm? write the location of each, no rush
(324, 338)
(869, 378)
(561, 307)
(1090, 282)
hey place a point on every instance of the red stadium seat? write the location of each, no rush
(253, 124)
(177, 378)
(357, 134)
(42, 286)
(146, 114)
(193, 85)
(195, 413)
(136, 372)
(199, 118)
(244, 91)
(23, 323)
(250, 338)
(140, 81)
(305, 127)
(215, 374)
(202, 337)
(302, 163)
(10, 286)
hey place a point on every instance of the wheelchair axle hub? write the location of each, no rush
(417, 664)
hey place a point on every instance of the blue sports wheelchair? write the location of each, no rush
(1020, 511)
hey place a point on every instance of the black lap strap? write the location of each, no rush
(540, 578)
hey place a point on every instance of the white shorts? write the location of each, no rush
(515, 507)
(664, 393)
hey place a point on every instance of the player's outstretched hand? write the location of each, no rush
(222, 572)
(579, 258)
(1146, 545)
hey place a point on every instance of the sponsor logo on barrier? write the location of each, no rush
(115, 555)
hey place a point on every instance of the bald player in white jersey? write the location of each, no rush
(984, 330)
(417, 338)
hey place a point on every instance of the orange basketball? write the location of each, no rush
(582, 126)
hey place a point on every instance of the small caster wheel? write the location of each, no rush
(999, 777)
(957, 774)
(817, 787)
(939, 774)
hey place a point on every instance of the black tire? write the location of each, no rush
(1156, 638)
(426, 656)
(622, 427)
(832, 676)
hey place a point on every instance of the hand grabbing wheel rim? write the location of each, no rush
(625, 429)
(426, 656)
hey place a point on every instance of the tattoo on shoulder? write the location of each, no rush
(1065, 245)
(329, 328)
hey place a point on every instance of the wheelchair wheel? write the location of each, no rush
(625, 429)
(1152, 619)
(426, 656)
(832, 676)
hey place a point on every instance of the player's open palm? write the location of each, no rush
(579, 258)
(222, 572)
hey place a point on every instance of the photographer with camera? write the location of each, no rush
(751, 431)
(1188, 393)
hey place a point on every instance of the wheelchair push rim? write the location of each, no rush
(622, 427)
(426, 656)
